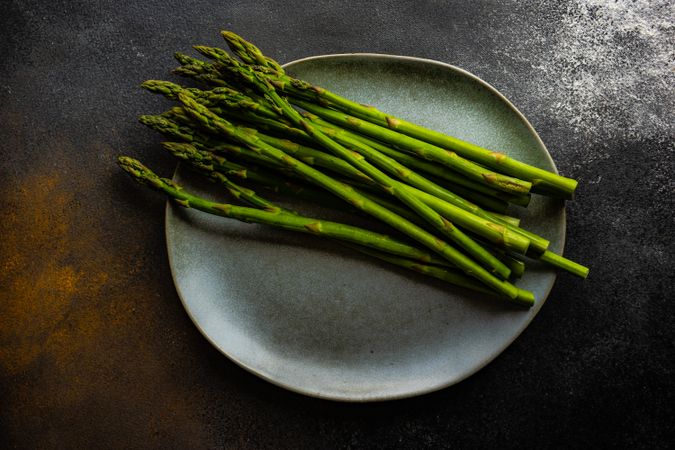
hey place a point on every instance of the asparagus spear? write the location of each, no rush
(440, 222)
(206, 160)
(440, 172)
(248, 52)
(538, 245)
(456, 235)
(477, 221)
(268, 122)
(422, 149)
(451, 276)
(278, 217)
(495, 229)
(206, 117)
(542, 180)
(468, 168)
(234, 99)
(271, 214)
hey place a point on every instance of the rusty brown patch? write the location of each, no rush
(87, 347)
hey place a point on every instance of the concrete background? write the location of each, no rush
(95, 348)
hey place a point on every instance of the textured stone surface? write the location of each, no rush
(95, 349)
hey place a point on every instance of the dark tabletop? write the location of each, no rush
(95, 347)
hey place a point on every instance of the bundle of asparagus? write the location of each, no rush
(446, 198)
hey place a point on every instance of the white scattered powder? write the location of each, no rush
(608, 68)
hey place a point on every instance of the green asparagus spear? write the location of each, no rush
(248, 52)
(422, 149)
(280, 218)
(538, 245)
(543, 181)
(442, 224)
(206, 117)
(478, 221)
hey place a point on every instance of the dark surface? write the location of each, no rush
(95, 348)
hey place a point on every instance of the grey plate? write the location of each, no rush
(312, 317)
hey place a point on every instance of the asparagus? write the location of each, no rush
(271, 214)
(538, 244)
(249, 53)
(475, 172)
(422, 149)
(350, 140)
(399, 191)
(494, 228)
(205, 160)
(234, 99)
(458, 182)
(306, 154)
(543, 181)
(206, 117)
(197, 69)
(519, 244)
(451, 276)
(277, 217)
(216, 167)
(429, 214)
(486, 227)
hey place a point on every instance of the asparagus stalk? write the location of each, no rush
(515, 221)
(474, 220)
(252, 114)
(451, 276)
(496, 228)
(473, 171)
(206, 117)
(234, 99)
(543, 181)
(490, 230)
(440, 222)
(422, 149)
(271, 214)
(350, 140)
(197, 69)
(440, 172)
(538, 245)
(205, 160)
(277, 217)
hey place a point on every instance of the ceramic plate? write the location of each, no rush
(318, 319)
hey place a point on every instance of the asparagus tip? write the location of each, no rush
(135, 168)
(182, 150)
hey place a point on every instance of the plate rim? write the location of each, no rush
(416, 392)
